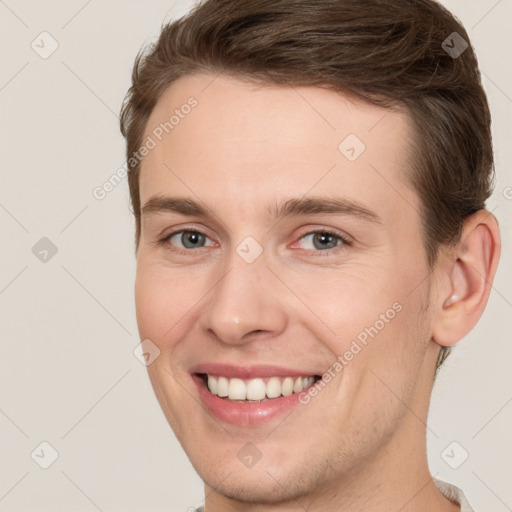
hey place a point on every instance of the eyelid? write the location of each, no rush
(178, 229)
(332, 231)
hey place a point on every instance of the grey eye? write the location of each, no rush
(188, 239)
(321, 240)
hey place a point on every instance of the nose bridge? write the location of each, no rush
(243, 301)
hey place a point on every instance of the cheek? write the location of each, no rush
(165, 302)
(366, 315)
(344, 304)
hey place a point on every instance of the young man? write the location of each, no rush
(309, 182)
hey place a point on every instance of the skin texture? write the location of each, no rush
(360, 443)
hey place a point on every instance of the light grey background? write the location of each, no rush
(68, 375)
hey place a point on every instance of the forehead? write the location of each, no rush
(241, 145)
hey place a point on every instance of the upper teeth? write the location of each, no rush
(257, 389)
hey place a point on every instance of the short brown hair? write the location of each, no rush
(388, 52)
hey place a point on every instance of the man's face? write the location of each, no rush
(272, 284)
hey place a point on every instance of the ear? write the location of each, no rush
(466, 279)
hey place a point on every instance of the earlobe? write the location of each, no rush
(468, 279)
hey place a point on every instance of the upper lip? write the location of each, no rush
(249, 371)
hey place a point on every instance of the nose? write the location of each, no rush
(244, 303)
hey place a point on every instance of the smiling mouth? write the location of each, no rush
(260, 389)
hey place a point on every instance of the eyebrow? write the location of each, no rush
(289, 208)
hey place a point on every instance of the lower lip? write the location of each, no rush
(244, 414)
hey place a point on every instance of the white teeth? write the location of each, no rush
(222, 387)
(237, 389)
(287, 386)
(212, 384)
(257, 389)
(308, 382)
(273, 387)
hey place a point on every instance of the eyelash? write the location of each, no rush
(326, 231)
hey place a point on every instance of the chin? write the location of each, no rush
(261, 489)
(264, 483)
